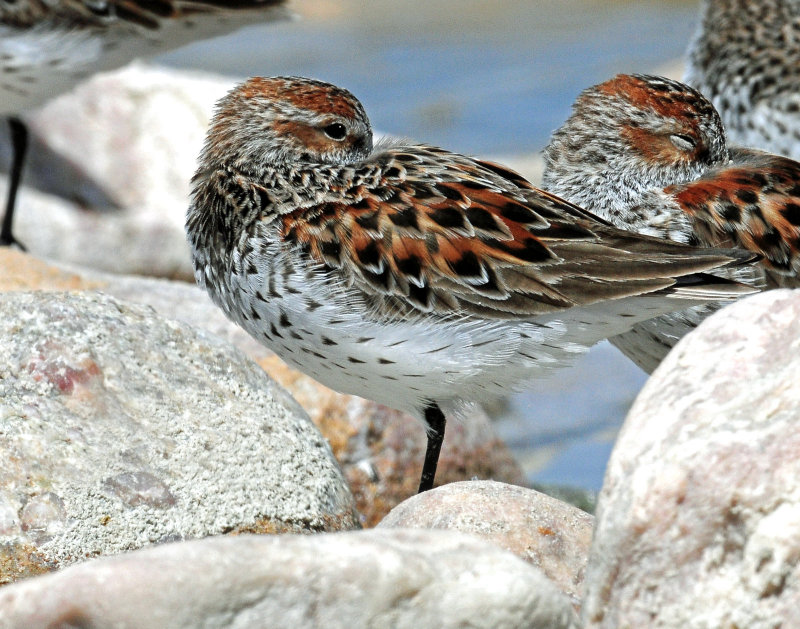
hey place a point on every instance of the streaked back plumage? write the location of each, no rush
(745, 57)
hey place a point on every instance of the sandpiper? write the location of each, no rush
(745, 57)
(405, 273)
(649, 154)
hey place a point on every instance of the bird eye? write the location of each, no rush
(683, 142)
(101, 8)
(335, 131)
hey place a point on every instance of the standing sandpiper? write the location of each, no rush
(404, 273)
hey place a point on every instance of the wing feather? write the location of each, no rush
(448, 234)
(753, 204)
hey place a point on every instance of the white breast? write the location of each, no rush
(323, 328)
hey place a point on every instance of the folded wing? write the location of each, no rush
(450, 235)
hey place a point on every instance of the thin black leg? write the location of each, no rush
(435, 420)
(19, 143)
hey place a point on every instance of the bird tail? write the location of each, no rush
(709, 287)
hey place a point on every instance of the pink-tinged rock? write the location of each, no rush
(545, 532)
(392, 578)
(55, 364)
(139, 488)
(698, 523)
(121, 428)
(380, 449)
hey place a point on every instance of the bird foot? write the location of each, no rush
(8, 240)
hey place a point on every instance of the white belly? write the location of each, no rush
(325, 330)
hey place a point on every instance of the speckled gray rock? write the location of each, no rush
(392, 578)
(698, 522)
(121, 429)
(380, 449)
(545, 532)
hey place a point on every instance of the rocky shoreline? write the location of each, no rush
(112, 448)
(145, 446)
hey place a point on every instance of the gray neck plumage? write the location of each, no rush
(584, 171)
(600, 173)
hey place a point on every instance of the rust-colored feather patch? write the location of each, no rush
(306, 94)
(670, 99)
(404, 236)
(754, 204)
(444, 232)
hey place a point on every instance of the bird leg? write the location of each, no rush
(434, 418)
(19, 143)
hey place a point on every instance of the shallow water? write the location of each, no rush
(490, 77)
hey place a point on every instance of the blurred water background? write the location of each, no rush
(490, 78)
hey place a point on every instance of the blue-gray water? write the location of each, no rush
(489, 77)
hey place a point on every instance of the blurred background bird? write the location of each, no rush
(745, 57)
(46, 48)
